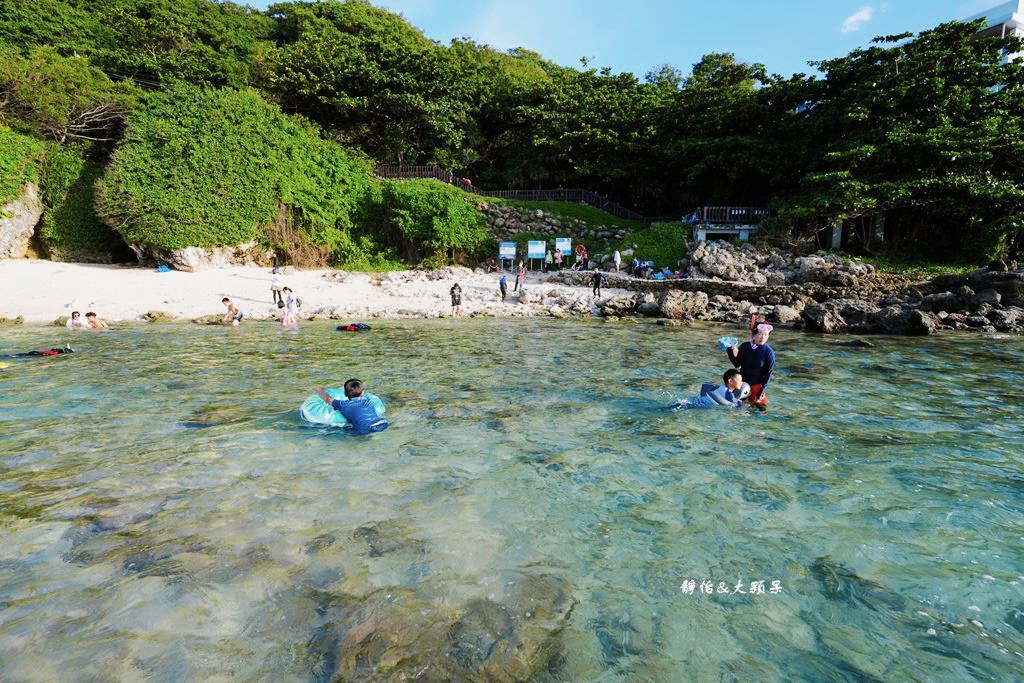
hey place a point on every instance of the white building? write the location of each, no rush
(1006, 19)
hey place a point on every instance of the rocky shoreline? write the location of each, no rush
(819, 294)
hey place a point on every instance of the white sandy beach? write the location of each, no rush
(43, 291)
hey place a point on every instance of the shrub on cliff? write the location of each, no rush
(431, 220)
(19, 157)
(211, 168)
(71, 230)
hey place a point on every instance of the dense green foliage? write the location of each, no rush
(924, 133)
(60, 97)
(204, 167)
(70, 224)
(155, 41)
(432, 220)
(19, 162)
(663, 243)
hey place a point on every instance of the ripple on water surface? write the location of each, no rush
(535, 511)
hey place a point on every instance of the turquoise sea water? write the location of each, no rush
(165, 515)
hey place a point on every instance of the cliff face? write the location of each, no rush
(18, 221)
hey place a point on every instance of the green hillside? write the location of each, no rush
(198, 123)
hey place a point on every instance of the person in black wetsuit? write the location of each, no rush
(596, 279)
(41, 352)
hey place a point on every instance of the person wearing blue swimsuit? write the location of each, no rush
(357, 409)
(730, 394)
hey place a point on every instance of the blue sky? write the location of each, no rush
(640, 35)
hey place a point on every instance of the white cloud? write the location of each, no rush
(855, 21)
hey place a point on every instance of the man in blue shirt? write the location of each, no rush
(356, 408)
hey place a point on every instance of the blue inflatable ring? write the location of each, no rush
(315, 411)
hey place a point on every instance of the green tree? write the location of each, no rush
(711, 132)
(367, 76)
(61, 97)
(66, 25)
(927, 131)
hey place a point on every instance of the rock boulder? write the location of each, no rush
(18, 221)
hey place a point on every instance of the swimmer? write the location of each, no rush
(357, 409)
(730, 394)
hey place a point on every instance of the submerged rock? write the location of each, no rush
(397, 636)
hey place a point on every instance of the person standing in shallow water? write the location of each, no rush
(756, 361)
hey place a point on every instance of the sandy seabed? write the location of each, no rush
(44, 291)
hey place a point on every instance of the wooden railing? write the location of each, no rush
(733, 215)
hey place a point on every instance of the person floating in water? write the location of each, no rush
(730, 394)
(357, 409)
(756, 361)
(42, 352)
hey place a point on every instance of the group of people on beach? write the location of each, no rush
(281, 296)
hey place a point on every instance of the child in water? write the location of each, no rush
(731, 393)
(233, 315)
(358, 409)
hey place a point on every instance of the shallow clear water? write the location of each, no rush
(166, 516)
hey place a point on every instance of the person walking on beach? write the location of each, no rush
(520, 277)
(275, 289)
(596, 279)
(558, 259)
(617, 258)
(503, 286)
(233, 316)
(456, 293)
(548, 261)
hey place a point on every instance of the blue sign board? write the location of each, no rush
(507, 251)
(564, 245)
(535, 249)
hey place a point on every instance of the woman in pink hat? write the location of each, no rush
(756, 361)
